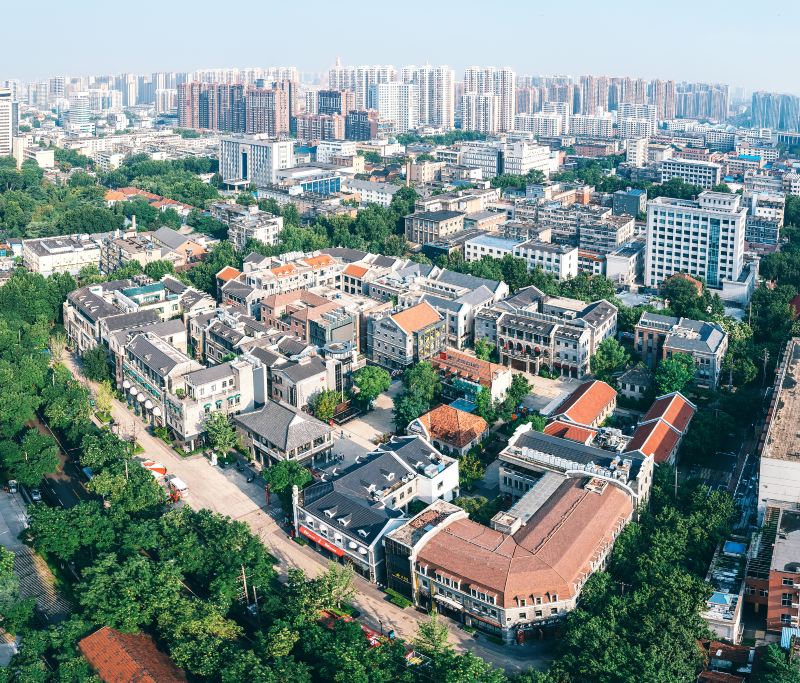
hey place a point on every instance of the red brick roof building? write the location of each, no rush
(661, 429)
(128, 658)
(589, 405)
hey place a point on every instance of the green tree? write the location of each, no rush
(371, 382)
(484, 406)
(674, 374)
(408, 407)
(158, 269)
(422, 380)
(483, 349)
(96, 364)
(35, 456)
(221, 433)
(323, 404)
(282, 476)
(470, 470)
(334, 587)
(104, 398)
(432, 636)
(15, 611)
(609, 357)
(776, 667)
(64, 532)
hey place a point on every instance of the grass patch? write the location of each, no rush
(396, 599)
(105, 418)
(138, 448)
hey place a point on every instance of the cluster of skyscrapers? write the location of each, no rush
(776, 110)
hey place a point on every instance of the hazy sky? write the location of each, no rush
(751, 44)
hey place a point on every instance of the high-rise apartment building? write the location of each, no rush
(597, 126)
(334, 102)
(540, 124)
(480, 112)
(636, 120)
(266, 111)
(702, 101)
(361, 125)
(500, 82)
(79, 119)
(359, 79)
(9, 118)
(775, 110)
(703, 238)
(436, 87)
(398, 102)
(312, 127)
(594, 94)
(661, 94)
(245, 159)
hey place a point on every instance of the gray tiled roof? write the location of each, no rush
(466, 281)
(345, 254)
(170, 237)
(210, 374)
(284, 426)
(155, 354)
(131, 320)
(477, 296)
(297, 372)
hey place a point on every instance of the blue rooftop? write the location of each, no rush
(718, 598)
(497, 242)
(734, 548)
(749, 157)
(463, 404)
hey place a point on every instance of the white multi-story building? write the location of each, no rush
(8, 121)
(636, 120)
(597, 126)
(496, 157)
(480, 112)
(371, 192)
(705, 174)
(500, 82)
(63, 254)
(560, 260)
(398, 102)
(436, 87)
(703, 238)
(540, 124)
(245, 159)
(328, 149)
(359, 79)
(636, 153)
(563, 109)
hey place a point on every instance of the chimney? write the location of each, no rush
(133, 222)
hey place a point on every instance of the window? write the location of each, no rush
(763, 592)
(788, 582)
(786, 600)
(786, 618)
(554, 610)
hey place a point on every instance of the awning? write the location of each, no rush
(324, 542)
(448, 601)
(155, 468)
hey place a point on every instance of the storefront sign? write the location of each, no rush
(324, 542)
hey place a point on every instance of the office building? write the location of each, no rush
(702, 238)
(704, 174)
(491, 81)
(245, 159)
(436, 88)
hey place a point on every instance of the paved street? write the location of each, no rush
(227, 492)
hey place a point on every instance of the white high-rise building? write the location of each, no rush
(500, 82)
(540, 124)
(359, 80)
(79, 116)
(398, 102)
(480, 112)
(436, 86)
(597, 126)
(166, 100)
(8, 121)
(563, 109)
(703, 238)
(636, 120)
(636, 152)
(245, 159)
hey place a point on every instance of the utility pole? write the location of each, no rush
(764, 371)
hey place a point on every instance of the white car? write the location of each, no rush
(36, 495)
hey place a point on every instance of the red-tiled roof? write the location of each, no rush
(228, 273)
(469, 366)
(587, 402)
(673, 408)
(656, 438)
(355, 271)
(417, 317)
(128, 658)
(549, 555)
(319, 261)
(566, 430)
(282, 271)
(453, 426)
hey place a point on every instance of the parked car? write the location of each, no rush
(12, 485)
(36, 495)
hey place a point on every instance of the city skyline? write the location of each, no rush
(591, 44)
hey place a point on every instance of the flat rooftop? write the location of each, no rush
(786, 554)
(783, 435)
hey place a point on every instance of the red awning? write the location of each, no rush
(324, 542)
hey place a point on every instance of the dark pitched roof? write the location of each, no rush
(284, 426)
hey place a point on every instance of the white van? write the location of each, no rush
(178, 486)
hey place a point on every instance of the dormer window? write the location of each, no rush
(362, 533)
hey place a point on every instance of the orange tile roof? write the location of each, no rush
(417, 317)
(114, 196)
(565, 430)
(319, 261)
(673, 408)
(284, 271)
(355, 271)
(453, 426)
(128, 658)
(228, 273)
(548, 555)
(584, 405)
(655, 438)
